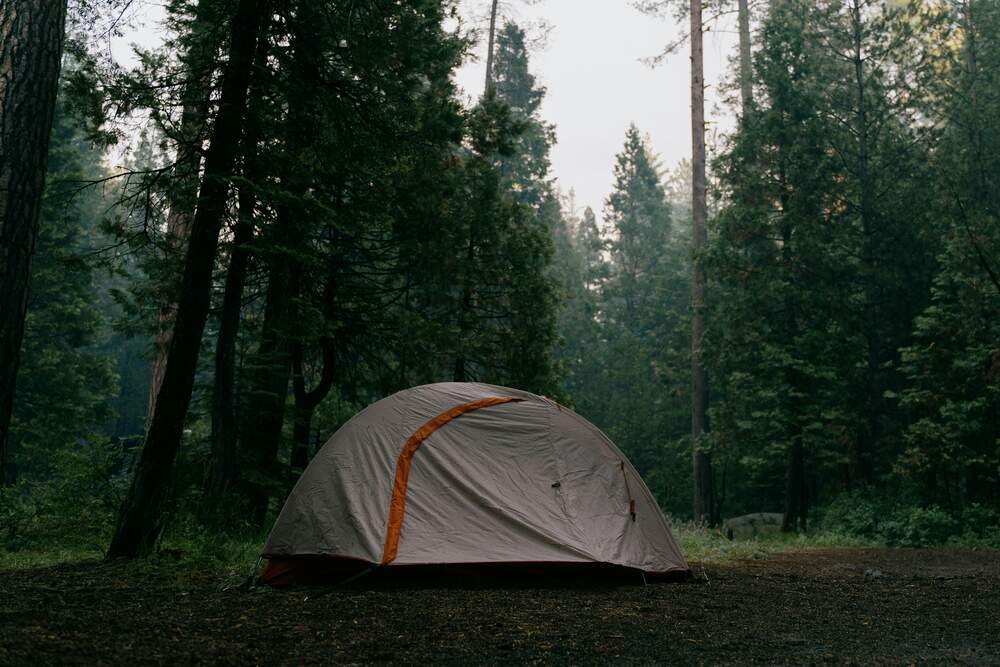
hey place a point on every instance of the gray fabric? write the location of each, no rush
(528, 481)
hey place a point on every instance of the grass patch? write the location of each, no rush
(707, 545)
(182, 557)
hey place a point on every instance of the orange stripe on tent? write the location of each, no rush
(397, 506)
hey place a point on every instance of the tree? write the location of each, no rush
(140, 520)
(704, 496)
(809, 261)
(67, 379)
(952, 367)
(626, 321)
(201, 32)
(330, 253)
(31, 46)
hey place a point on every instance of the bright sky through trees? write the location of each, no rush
(592, 64)
(598, 83)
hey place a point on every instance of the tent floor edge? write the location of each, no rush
(280, 572)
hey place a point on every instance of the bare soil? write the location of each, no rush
(838, 606)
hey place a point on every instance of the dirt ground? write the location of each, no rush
(833, 606)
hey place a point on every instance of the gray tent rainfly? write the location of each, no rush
(455, 474)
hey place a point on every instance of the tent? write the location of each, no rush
(458, 475)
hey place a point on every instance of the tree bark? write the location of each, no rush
(796, 505)
(197, 61)
(307, 401)
(265, 412)
(489, 51)
(746, 66)
(702, 461)
(264, 416)
(223, 465)
(140, 519)
(461, 373)
(31, 43)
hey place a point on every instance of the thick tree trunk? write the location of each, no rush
(140, 520)
(746, 67)
(702, 461)
(183, 199)
(31, 42)
(489, 49)
(265, 410)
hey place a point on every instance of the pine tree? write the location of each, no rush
(67, 380)
(809, 260)
(952, 445)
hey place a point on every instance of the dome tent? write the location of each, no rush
(453, 475)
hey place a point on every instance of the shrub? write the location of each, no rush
(852, 514)
(903, 525)
(18, 510)
(919, 527)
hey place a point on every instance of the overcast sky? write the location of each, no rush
(597, 83)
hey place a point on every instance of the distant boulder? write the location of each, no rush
(749, 526)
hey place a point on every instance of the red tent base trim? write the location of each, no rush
(317, 570)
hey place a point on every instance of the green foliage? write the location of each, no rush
(17, 511)
(952, 368)
(66, 380)
(822, 253)
(885, 521)
(74, 504)
(625, 323)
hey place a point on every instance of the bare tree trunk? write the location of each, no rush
(265, 411)
(140, 519)
(184, 197)
(746, 68)
(31, 44)
(264, 416)
(461, 372)
(307, 401)
(796, 506)
(489, 52)
(223, 465)
(702, 460)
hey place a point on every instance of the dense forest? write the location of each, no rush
(311, 218)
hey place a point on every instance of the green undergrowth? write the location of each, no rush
(182, 556)
(708, 545)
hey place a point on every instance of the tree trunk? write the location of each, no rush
(140, 519)
(796, 505)
(702, 460)
(224, 464)
(461, 373)
(198, 61)
(264, 417)
(31, 43)
(489, 51)
(746, 67)
(306, 401)
(265, 412)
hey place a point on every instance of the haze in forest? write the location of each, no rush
(594, 60)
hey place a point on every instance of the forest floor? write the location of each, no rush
(814, 606)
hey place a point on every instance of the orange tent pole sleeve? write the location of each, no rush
(397, 506)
